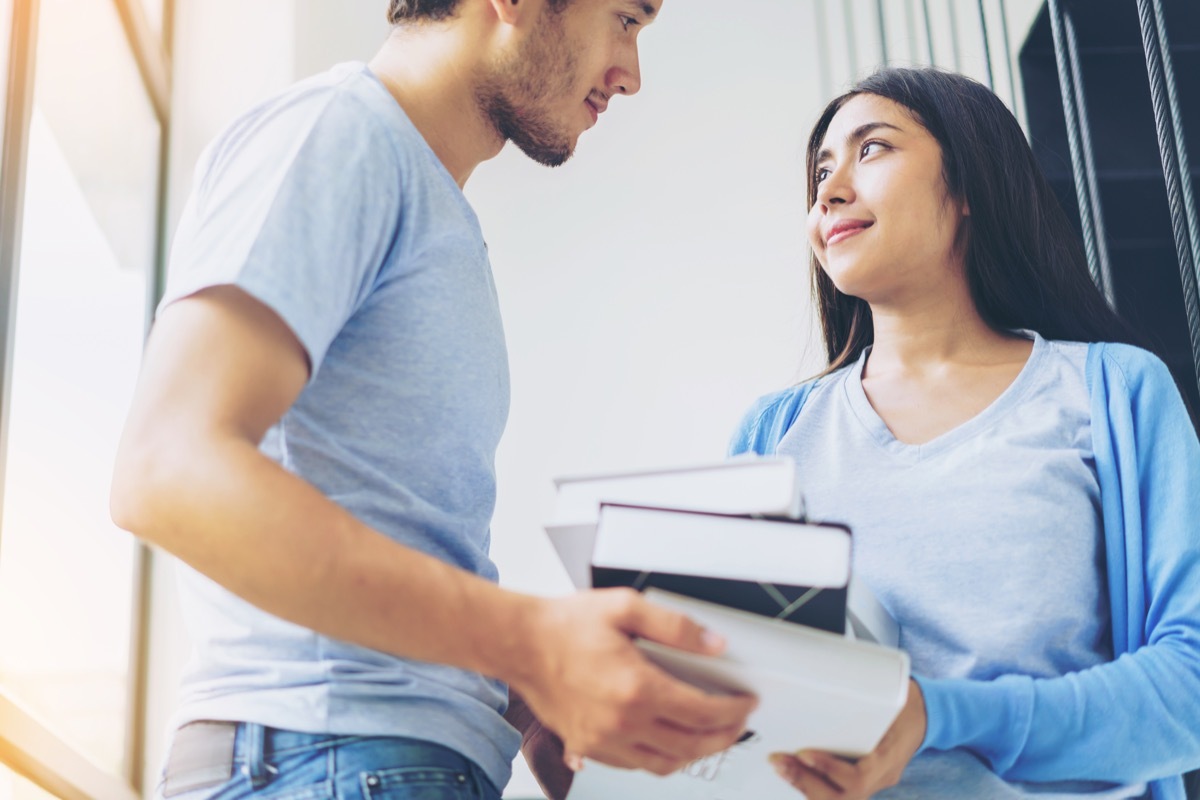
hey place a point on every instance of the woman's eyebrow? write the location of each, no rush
(857, 135)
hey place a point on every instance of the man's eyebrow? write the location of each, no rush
(857, 135)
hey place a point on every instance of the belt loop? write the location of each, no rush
(257, 769)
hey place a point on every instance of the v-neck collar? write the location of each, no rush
(882, 435)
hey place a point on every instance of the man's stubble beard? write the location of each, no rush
(513, 96)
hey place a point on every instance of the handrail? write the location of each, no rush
(33, 750)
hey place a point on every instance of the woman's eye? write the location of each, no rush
(628, 22)
(867, 148)
(821, 174)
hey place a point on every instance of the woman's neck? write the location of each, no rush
(930, 371)
(937, 334)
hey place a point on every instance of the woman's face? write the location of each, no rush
(884, 226)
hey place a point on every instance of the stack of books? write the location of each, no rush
(728, 544)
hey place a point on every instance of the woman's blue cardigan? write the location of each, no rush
(1135, 719)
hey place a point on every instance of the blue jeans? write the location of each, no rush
(270, 764)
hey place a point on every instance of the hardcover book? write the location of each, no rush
(748, 485)
(779, 568)
(816, 690)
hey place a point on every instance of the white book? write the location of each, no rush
(816, 690)
(743, 485)
(755, 485)
(747, 485)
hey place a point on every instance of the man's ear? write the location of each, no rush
(508, 11)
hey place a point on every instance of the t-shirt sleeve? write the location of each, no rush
(297, 204)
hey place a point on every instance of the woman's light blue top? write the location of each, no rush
(1021, 552)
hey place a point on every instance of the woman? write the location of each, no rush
(1022, 482)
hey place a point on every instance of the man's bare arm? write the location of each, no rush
(220, 368)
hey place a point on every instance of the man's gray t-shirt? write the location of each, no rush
(985, 543)
(327, 205)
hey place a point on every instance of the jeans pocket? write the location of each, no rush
(417, 783)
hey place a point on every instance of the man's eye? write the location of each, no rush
(628, 22)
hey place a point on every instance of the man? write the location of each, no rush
(314, 429)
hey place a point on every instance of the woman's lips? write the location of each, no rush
(844, 230)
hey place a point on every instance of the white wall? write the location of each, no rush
(652, 287)
(655, 285)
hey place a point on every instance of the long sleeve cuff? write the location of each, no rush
(991, 718)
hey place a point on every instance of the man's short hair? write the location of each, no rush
(401, 11)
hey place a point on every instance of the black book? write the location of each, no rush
(776, 567)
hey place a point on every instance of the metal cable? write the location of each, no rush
(1008, 58)
(851, 39)
(1185, 173)
(987, 48)
(823, 67)
(928, 33)
(955, 54)
(883, 45)
(1170, 140)
(1089, 162)
(1066, 88)
(910, 19)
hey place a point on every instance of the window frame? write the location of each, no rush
(27, 745)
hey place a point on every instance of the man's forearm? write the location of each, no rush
(270, 537)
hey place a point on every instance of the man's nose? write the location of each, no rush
(625, 77)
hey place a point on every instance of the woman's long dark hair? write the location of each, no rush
(1024, 264)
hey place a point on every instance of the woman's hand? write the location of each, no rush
(823, 776)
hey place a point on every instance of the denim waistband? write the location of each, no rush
(257, 749)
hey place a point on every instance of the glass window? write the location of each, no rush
(88, 244)
(6, 11)
(14, 787)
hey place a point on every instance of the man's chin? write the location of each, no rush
(547, 155)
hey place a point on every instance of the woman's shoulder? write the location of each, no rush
(1129, 364)
(769, 417)
(791, 399)
(1126, 365)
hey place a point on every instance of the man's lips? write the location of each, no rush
(844, 229)
(596, 107)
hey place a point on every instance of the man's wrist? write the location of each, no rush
(508, 642)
